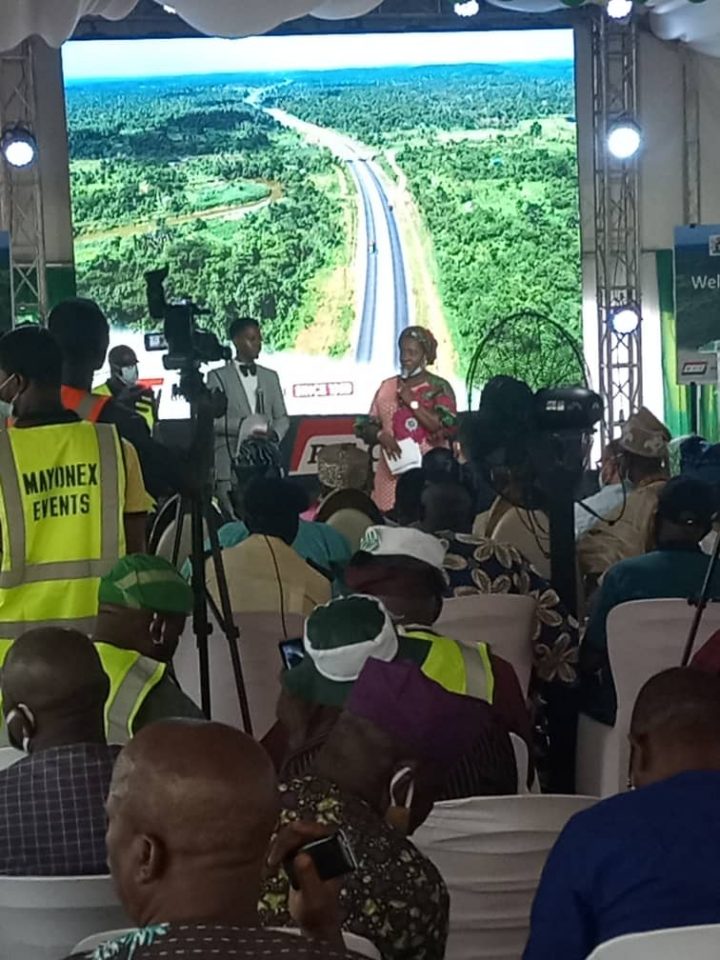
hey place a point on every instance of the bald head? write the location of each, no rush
(57, 675)
(675, 725)
(191, 809)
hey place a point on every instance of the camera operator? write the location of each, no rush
(123, 385)
(250, 390)
(83, 334)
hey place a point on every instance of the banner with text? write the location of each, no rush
(697, 302)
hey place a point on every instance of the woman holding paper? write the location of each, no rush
(411, 414)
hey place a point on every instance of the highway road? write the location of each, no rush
(383, 302)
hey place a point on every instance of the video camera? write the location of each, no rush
(187, 346)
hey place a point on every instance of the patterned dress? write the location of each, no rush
(396, 898)
(389, 415)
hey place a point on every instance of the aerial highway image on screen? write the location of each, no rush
(338, 188)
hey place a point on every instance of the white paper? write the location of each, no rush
(410, 457)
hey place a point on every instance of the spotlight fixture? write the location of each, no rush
(619, 9)
(624, 139)
(19, 147)
(470, 8)
(624, 318)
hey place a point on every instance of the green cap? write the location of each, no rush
(144, 582)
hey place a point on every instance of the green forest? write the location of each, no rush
(252, 218)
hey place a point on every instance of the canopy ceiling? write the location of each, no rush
(55, 20)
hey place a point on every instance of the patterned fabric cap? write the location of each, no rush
(343, 466)
(144, 582)
(645, 436)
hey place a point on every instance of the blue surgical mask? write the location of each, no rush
(129, 375)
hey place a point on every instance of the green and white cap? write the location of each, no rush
(339, 639)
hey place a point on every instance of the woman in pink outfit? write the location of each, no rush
(415, 404)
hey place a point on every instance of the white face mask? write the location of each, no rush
(7, 407)
(129, 375)
(408, 374)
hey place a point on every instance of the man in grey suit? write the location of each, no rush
(250, 389)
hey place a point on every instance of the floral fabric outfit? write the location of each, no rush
(396, 898)
(389, 415)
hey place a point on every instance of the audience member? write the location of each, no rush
(343, 466)
(403, 568)
(339, 639)
(52, 820)
(609, 497)
(318, 543)
(57, 477)
(350, 512)
(191, 810)
(264, 573)
(475, 565)
(144, 604)
(82, 331)
(628, 530)
(409, 488)
(676, 568)
(647, 859)
(376, 778)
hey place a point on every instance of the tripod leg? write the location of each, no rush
(225, 617)
(201, 624)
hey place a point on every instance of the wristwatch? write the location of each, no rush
(414, 405)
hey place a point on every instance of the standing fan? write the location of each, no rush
(531, 347)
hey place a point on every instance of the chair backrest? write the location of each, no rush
(260, 636)
(645, 637)
(353, 942)
(697, 943)
(9, 756)
(44, 917)
(491, 852)
(505, 621)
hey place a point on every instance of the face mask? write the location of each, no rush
(28, 726)
(129, 375)
(408, 374)
(398, 813)
(7, 407)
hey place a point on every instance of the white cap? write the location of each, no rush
(404, 542)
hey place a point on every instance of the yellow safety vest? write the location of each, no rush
(459, 668)
(144, 407)
(62, 499)
(132, 678)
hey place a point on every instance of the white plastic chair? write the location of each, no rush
(353, 942)
(260, 637)
(695, 943)
(505, 621)
(9, 756)
(43, 917)
(644, 637)
(491, 852)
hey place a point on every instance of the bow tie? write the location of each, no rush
(248, 369)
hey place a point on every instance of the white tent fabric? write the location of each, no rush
(697, 24)
(55, 20)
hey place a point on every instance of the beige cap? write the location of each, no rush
(343, 466)
(645, 436)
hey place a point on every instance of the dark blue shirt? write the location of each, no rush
(639, 861)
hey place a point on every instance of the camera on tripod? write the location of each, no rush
(187, 346)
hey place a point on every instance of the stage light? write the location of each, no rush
(19, 147)
(624, 139)
(624, 319)
(470, 8)
(619, 9)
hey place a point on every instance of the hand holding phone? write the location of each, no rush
(314, 857)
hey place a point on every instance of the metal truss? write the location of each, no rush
(617, 228)
(21, 206)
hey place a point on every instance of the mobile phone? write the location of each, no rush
(292, 652)
(333, 857)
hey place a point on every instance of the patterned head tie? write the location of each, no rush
(426, 340)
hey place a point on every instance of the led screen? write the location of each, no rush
(337, 188)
